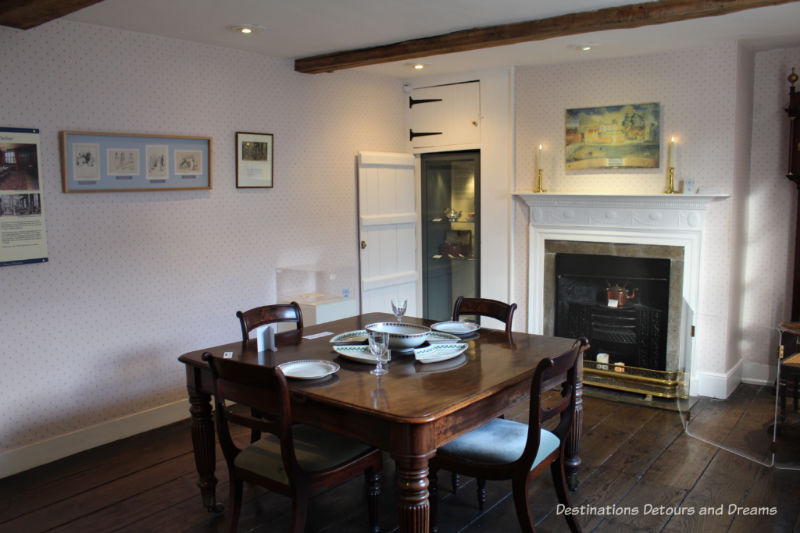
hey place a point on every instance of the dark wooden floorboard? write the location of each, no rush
(634, 458)
(68, 477)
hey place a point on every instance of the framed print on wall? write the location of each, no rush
(254, 154)
(157, 159)
(615, 136)
(120, 162)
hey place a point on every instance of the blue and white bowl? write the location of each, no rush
(402, 336)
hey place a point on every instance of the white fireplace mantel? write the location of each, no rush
(658, 219)
(634, 211)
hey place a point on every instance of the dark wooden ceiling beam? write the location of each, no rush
(24, 15)
(612, 18)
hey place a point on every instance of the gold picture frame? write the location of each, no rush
(129, 162)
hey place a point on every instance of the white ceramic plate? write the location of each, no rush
(436, 353)
(308, 368)
(456, 328)
(438, 336)
(357, 353)
(351, 337)
(444, 366)
(402, 336)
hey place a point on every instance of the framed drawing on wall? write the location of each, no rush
(615, 136)
(254, 155)
(121, 162)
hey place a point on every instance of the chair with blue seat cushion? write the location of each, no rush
(483, 307)
(291, 459)
(508, 450)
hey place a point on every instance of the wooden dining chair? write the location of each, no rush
(504, 449)
(269, 314)
(485, 307)
(291, 459)
(261, 316)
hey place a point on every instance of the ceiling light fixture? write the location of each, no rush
(419, 66)
(246, 29)
(586, 47)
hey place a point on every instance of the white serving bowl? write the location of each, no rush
(401, 336)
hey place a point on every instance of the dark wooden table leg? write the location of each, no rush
(412, 499)
(203, 445)
(573, 446)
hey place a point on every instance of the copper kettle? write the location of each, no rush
(621, 295)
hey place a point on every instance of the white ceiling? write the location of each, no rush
(300, 28)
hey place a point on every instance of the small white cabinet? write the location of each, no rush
(449, 114)
(323, 293)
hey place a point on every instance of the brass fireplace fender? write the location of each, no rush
(659, 383)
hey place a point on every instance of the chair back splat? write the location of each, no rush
(269, 314)
(485, 307)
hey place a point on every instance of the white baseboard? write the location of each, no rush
(759, 373)
(719, 385)
(39, 453)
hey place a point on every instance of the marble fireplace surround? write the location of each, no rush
(646, 219)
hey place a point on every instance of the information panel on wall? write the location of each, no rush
(22, 234)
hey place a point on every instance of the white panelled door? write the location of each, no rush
(387, 220)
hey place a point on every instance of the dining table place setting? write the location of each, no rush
(428, 345)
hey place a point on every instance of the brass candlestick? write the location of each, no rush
(540, 182)
(670, 181)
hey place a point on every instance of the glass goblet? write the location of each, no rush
(399, 307)
(379, 348)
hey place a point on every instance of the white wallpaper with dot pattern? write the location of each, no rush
(771, 209)
(136, 279)
(699, 95)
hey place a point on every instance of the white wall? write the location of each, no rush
(699, 91)
(771, 212)
(136, 279)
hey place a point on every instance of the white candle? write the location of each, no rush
(669, 151)
(539, 161)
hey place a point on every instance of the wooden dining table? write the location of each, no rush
(409, 412)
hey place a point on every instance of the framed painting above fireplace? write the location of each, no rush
(615, 136)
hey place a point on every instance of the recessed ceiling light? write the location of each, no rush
(246, 29)
(585, 47)
(419, 66)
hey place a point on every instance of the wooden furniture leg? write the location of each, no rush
(412, 502)
(203, 444)
(573, 446)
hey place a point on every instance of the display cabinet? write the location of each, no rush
(450, 230)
